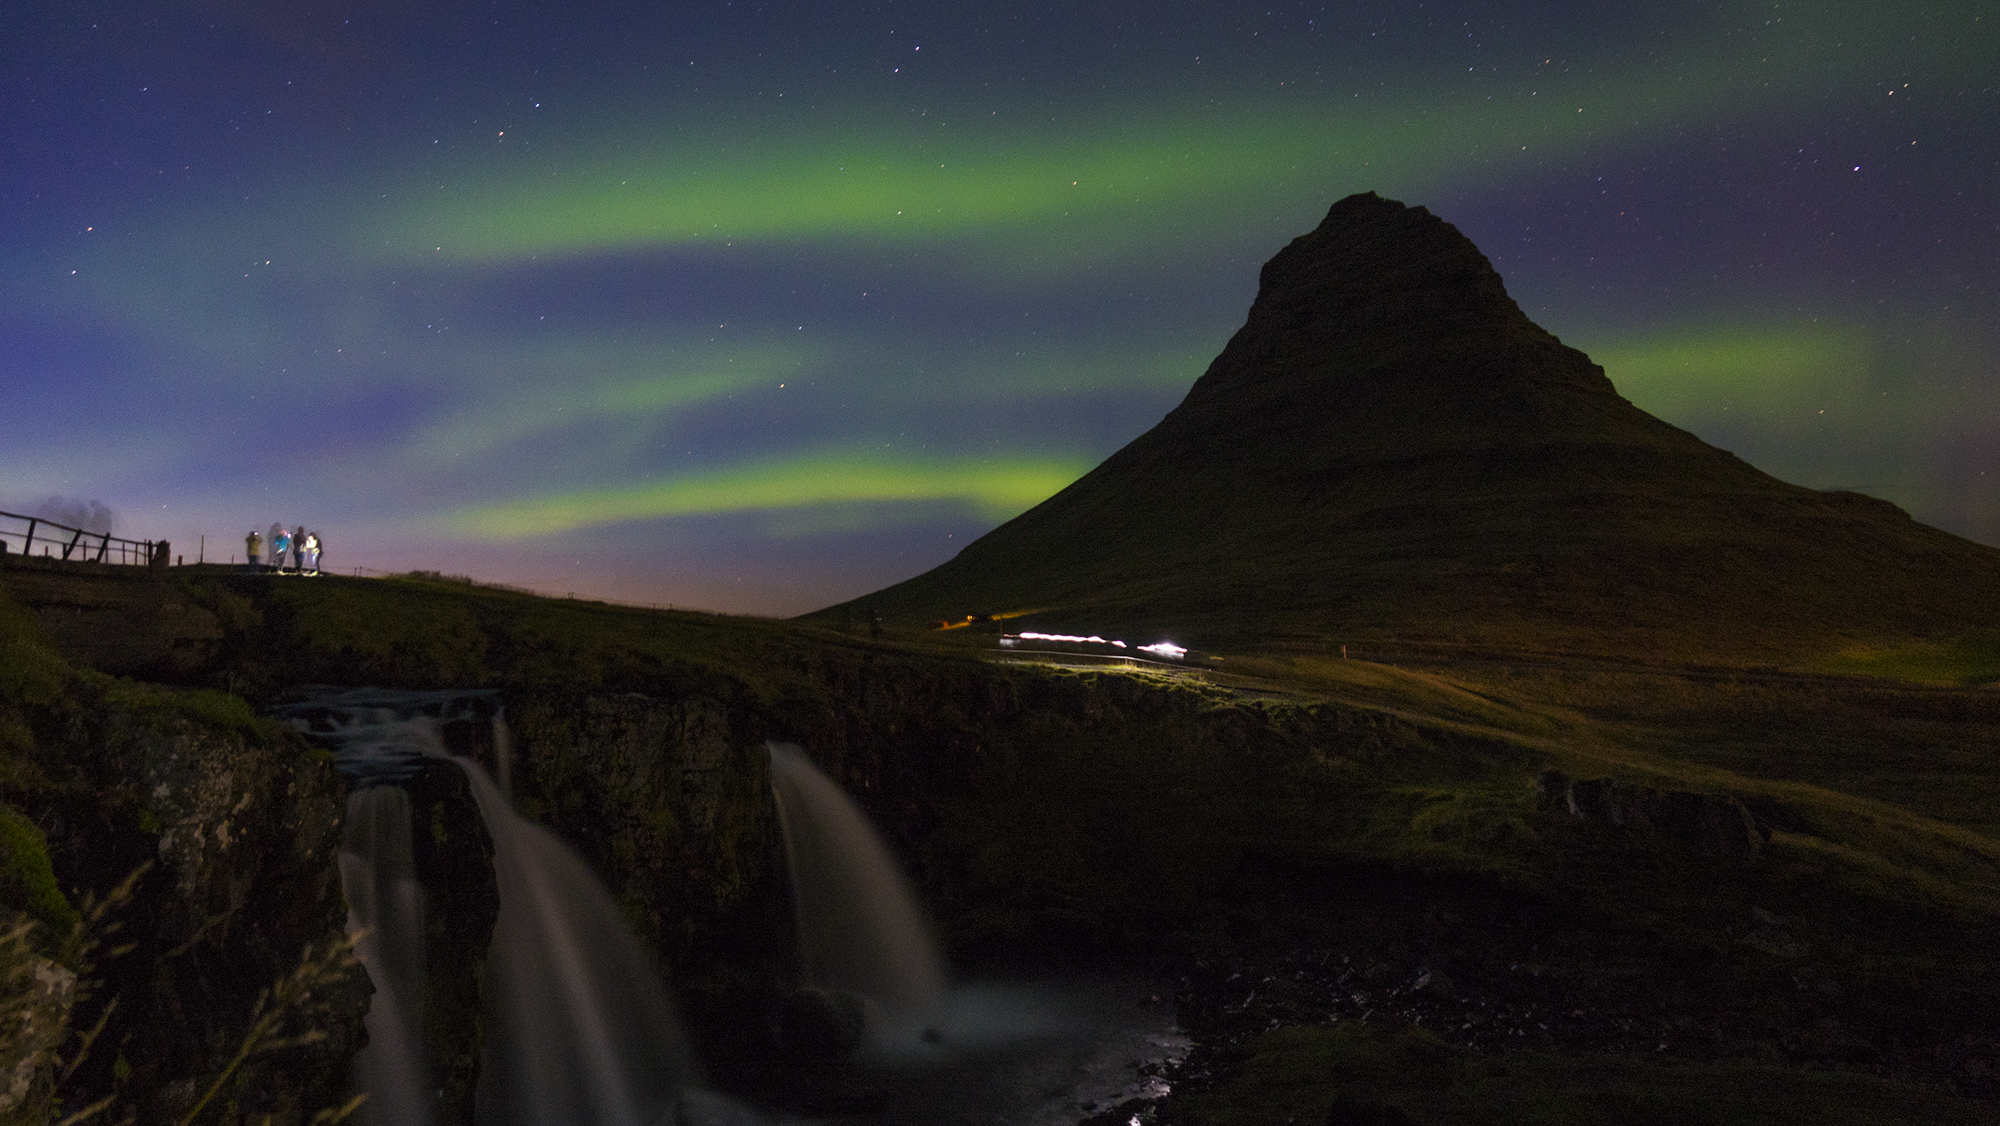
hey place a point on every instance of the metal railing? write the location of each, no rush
(21, 534)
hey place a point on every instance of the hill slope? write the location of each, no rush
(1389, 452)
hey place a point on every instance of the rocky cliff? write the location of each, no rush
(1053, 818)
(232, 826)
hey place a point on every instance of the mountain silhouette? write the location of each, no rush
(1390, 452)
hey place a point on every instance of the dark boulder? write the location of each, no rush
(1708, 824)
(1352, 1112)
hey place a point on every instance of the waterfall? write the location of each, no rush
(385, 904)
(585, 1034)
(503, 754)
(860, 929)
(581, 1032)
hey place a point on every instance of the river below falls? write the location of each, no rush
(587, 1035)
(1041, 1054)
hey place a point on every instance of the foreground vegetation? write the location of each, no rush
(1366, 877)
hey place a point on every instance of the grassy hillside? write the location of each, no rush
(1341, 838)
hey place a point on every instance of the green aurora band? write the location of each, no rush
(993, 490)
(1118, 177)
(993, 197)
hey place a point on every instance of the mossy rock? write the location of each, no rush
(27, 879)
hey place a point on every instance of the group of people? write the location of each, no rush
(289, 552)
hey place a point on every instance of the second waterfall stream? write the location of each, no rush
(581, 1031)
(860, 929)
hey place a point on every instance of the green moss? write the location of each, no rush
(1971, 659)
(206, 707)
(1470, 828)
(31, 674)
(384, 631)
(27, 879)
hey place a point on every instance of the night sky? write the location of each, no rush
(757, 307)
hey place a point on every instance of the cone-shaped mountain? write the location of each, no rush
(1390, 452)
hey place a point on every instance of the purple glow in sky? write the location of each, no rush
(758, 307)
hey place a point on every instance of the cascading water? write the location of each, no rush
(578, 1028)
(860, 929)
(584, 1033)
(379, 743)
(503, 754)
(1020, 1054)
(385, 905)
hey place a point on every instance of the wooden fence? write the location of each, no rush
(22, 534)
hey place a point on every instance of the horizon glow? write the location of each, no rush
(765, 322)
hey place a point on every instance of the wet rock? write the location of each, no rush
(1350, 1112)
(1596, 799)
(1439, 985)
(240, 825)
(1551, 791)
(1131, 1110)
(819, 1025)
(1708, 824)
(452, 855)
(667, 798)
(35, 1000)
(248, 833)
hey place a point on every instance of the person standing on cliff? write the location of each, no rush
(299, 550)
(273, 561)
(253, 546)
(309, 554)
(281, 548)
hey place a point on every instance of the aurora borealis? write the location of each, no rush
(757, 307)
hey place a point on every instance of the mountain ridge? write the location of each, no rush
(1390, 451)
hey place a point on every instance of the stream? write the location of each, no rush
(582, 1032)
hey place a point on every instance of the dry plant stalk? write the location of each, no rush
(30, 987)
(286, 1015)
(28, 978)
(289, 1015)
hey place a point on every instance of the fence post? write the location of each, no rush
(155, 553)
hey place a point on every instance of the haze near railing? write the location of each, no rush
(60, 541)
